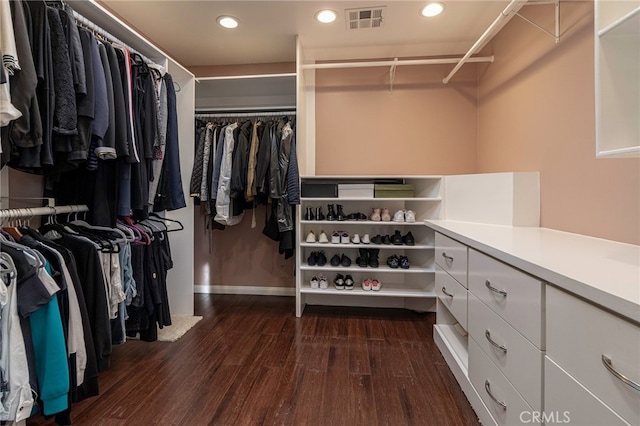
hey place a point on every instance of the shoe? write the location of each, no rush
(365, 239)
(348, 282)
(396, 238)
(373, 258)
(331, 215)
(355, 239)
(322, 238)
(399, 216)
(319, 215)
(311, 237)
(309, 214)
(366, 284)
(345, 260)
(409, 216)
(321, 259)
(385, 216)
(315, 283)
(335, 237)
(344, 238)
(335, 260)
(375, 215)
(324, 284)
(361, 216)
(312, 260)
(408, 239)
(340, 215)
(393, 261)
(377, 239)
(404, 262)
(339, 282)
(363, 259)
(376, 285)
(386, 240)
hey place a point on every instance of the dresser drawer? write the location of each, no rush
(452, 295)
(512, 294)
(452, 257)
(517, 358)
(495, 389)
(579, 334)
(569, 402)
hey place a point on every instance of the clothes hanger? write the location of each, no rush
(31, 254)
(155, 215)
(6, 265)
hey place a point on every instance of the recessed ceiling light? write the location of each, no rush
(326, 16)
(227, 21)
(432, 9)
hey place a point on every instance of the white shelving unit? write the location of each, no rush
(411, 288)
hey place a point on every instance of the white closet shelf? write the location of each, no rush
(386, 291)
(362, 222)
(338, 200)
(355, 268)
(369, 246)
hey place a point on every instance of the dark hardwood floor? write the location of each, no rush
(250, 361)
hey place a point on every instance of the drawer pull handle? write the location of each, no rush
(487, 387)
(607, 363)
(487, 334)
(495, 290)
(448, 258)
(444, 290)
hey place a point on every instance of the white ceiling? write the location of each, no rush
(187, 30)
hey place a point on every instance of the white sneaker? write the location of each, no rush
(314, 282)
(322, 238)
(409, 216)
(376, 285)
(355, 239)
(366, 284)
(311, 237)
(344, 238)
(366, 239)
(399, 216)
(335, 237)
(324, 284)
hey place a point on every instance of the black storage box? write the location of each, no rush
(319, 190)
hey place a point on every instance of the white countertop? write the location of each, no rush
(602, 271)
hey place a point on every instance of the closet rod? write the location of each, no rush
(42, 211)
(245, 114)
(82, 21)
(502, 19)
(366, 64)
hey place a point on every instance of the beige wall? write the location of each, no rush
(223, 70)
(421, 127)
(536, 112)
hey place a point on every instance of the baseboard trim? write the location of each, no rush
(248, 290)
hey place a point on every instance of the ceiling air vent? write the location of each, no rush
(365, 17)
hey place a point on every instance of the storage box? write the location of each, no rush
(319, 190)
(355, 190)
(394, 191)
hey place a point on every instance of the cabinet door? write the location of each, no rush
(452, 257)
(579, 334)
(452, 295)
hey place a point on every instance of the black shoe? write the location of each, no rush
(393, 261)
(386, 240)
(339, 282)
(345, 261)
(309, 214)
(331, 215)
(312, 260)
(396, 239)
(348, 283)
(361, 216)
(408, 239)
(319, 215)
(321, 259)
(363, 260)
(373, 258)
(376, 240)
(404, 262)
(340, 215)
(335, 260)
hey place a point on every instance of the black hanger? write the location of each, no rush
(168, 220)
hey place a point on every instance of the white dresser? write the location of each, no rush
(552, 321)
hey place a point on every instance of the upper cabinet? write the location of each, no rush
(617, 78)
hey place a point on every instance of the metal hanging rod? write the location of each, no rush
(41, 211)
(394, 62)
(82, 21)
(231, 114)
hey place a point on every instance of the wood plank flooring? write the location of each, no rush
(250, 361)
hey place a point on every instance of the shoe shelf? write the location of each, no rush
(339, 200)
(355, 268)
(388, 290)
(368, 246)
(361, 222)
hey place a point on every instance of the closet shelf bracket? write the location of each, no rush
(556, 33)
(392, 74)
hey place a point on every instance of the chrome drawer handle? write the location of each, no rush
(449, 258)
(607, 363)
(444, 290)
(487, 334)
(487, 387)
(495, 290)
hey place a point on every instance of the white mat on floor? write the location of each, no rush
(180, 324)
